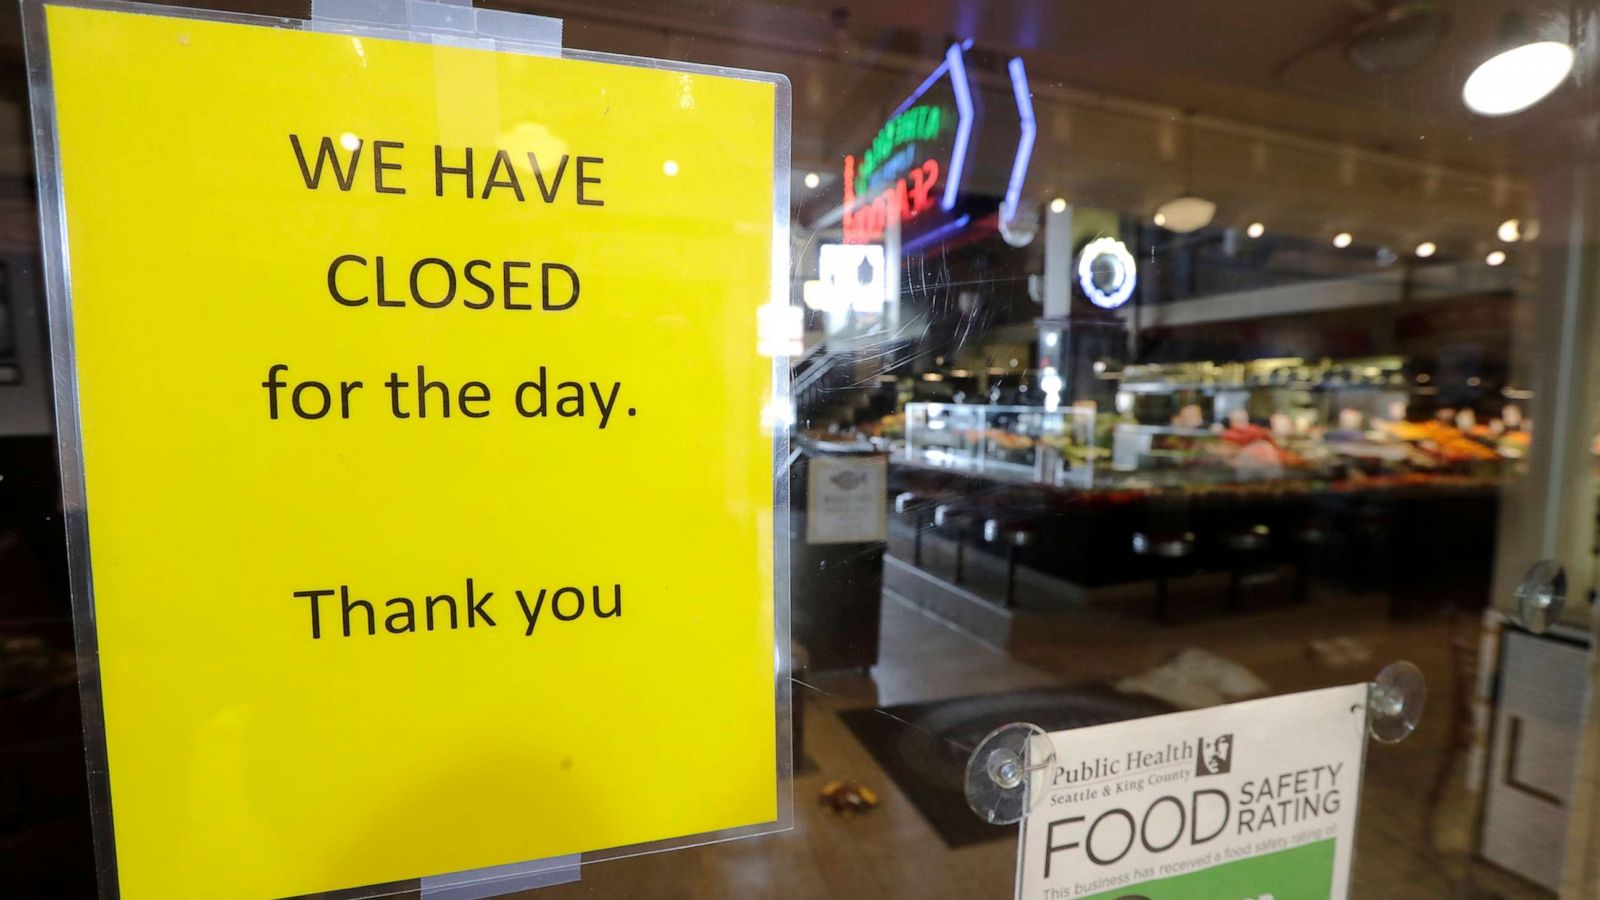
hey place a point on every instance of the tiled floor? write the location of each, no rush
(892, 852)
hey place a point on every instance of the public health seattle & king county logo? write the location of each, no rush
(1215, 757)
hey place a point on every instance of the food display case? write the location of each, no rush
(1136, 447)
(1202, 426)
(1240, 452)
(1328, 419)
(1307, 394)
(1024, 442)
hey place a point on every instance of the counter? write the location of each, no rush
(1425, 538)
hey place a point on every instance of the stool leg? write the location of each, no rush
(1011, 576)
(961, 548)
(1302, 577)
(916, 539)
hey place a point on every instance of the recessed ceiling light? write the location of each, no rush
(812, 180)
(1495, 257)
(1185, 214)
(1427, 249)
(1058, 205)
(1510, 231)
(1256, 229)
(1342, 239)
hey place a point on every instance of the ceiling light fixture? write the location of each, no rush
(1495, 257)
(1510, 231)
(1524, 71)
(1397, 38)
(1256, 229)
(812, 180)
(1342, 239)
(1058, 205)
(1186, 212)
(1427, 249)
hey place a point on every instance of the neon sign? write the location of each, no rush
(1107, 272)
(958, 156)
(908, 199)
(912, 172)
(1023, 94)
(919, 123)
(914, 163)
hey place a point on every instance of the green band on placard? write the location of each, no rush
(1299, 873)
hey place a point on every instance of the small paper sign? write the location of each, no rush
(1253, 800)
(844, 500)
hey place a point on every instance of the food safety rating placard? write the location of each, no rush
(1241, 802)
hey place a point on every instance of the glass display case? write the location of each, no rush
(1136, 447)
(1308, 394)
(1054, 446)
(1241, 452)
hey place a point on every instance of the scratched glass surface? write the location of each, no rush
(1143, 358)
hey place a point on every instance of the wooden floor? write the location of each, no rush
(892, 852)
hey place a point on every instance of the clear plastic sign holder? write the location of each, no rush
(1004, 782)
(455, 23)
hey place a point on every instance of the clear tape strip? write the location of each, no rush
(448, 22)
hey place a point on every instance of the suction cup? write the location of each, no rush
(1541, 596)
(1005, 776)
(1395, 701)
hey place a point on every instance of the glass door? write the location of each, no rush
(1187, 353)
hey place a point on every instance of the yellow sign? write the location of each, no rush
(429, 502)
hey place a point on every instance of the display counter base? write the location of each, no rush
(983, 619)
